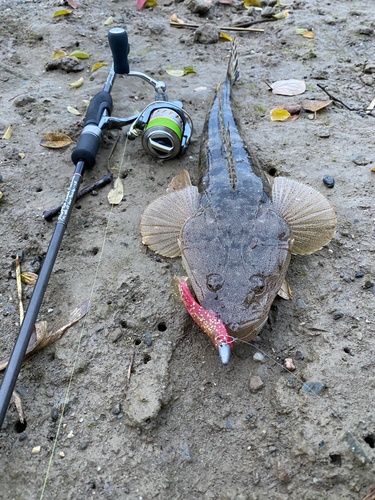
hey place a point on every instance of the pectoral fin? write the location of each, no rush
(162, 220)
(311, 217)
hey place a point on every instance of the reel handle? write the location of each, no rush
(118, 41)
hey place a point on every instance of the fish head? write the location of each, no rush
(237, 268)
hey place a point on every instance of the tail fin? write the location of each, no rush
(232, 73)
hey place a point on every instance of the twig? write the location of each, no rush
(49, 214)
(130, 369)
(251, 23)
(19, 288)
(22, 93)
(227, 28)
(112, 150)
(335, 98)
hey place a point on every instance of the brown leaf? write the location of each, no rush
(285, 291)
(72, 3)
(55, 140)
(18, 403)
(308, 34)
(288, 87)
(175, 19)
(225, 1)
(29, 278)
(293, 109)
(41, 337)
(315, 106)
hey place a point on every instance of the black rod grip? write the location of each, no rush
(101, 101)
(86, 149)
(118, 41)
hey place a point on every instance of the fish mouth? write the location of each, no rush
(248, 330)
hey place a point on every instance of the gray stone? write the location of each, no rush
(258, 356)
(67, 64)
(83, 445)
(117, 409)
(256, 384)
(9, 310)
(369, 68)
(338, 315)
(369, 284)
(324, 133)
(290, 384)
(21, 390)
(23, 100)
(148, 338)
(229, 425)
(199, 7)
(268, 12)
(301, 304)
(226, 413)
(315, 387)
(365, 30)
(49, 392)
(207, 33)
(360, 160)
(156, 27)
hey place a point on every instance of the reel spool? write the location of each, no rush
(163, 134)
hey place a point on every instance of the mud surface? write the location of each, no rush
(187, 427)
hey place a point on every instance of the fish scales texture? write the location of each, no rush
(236, 238)
(236, 249)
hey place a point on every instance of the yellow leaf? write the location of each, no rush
(175, 19)
(61, 13)
(21, 155)
(308, 34)
(73, 111)
(59, 53)
(109, 21)
(189, 69)
(1, 195)
(29, 278)
(77, 84)
(150, 3)
(226, 37)
(79, 54)
(176, 72)
(250, 3)
(8, 133)
(300, 31)
(117, 193)
(86, 102)
(282, 15)
(199, 89)
(372, 170)
(55, 140)
(279, 115)
(97, 66)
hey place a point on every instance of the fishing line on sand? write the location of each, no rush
(350, 439)
(81, 334)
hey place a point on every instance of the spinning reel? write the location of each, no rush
(165, 128)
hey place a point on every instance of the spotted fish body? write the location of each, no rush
(237, 237)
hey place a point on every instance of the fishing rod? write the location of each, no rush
(165, 129)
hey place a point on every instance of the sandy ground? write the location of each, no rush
(187, 427)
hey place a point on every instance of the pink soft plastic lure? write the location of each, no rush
(209, 323)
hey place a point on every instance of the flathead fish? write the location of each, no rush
(236, 237)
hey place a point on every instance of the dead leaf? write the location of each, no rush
(282, 15)
(294, 111)
(315, 106)
(86, 102)
(8, 133)
(146, 4)
(109, 21)
(226, 37)
(77, 84)
(300, 31)
(117, 193)
(58, 54)
(175, 19)
(97, 66)
(79, 54)
(175, 72)
(1, 195)
(29, 278)
(55, 140)
(285, 292)
(72, 3)
(288, 87)
(61, 13)
(199, 89)
(73, 111)
(370, 495)
(21, 155)
(250, 3)
(280, 115)
(308, 34)
(40, 337)
(225, 1)
(18, 403)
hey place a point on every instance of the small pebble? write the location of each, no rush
(338, 315)
(229, 424)
(258, 357)
(117, 409)
(369, 284)
(256, 384)
(21, 391)
(22, 437)
(148, 338)
(94, 193)
(249, 416)
(335, 287)
(226, 413)
(289, 365)
(70, 435)
(290, 383)
(81, 420)
(36, 449)
(301, 304)
(83, 445)
(62, 454)
(21, 255)
(120, 415)
(54, 414)
(271, 449)
(359, 274)
(49, 392)
(299, 355)
(315, 387)
(329, 181)
(50, 310)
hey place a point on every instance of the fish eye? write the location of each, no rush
(214, 282)
(257, 285)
